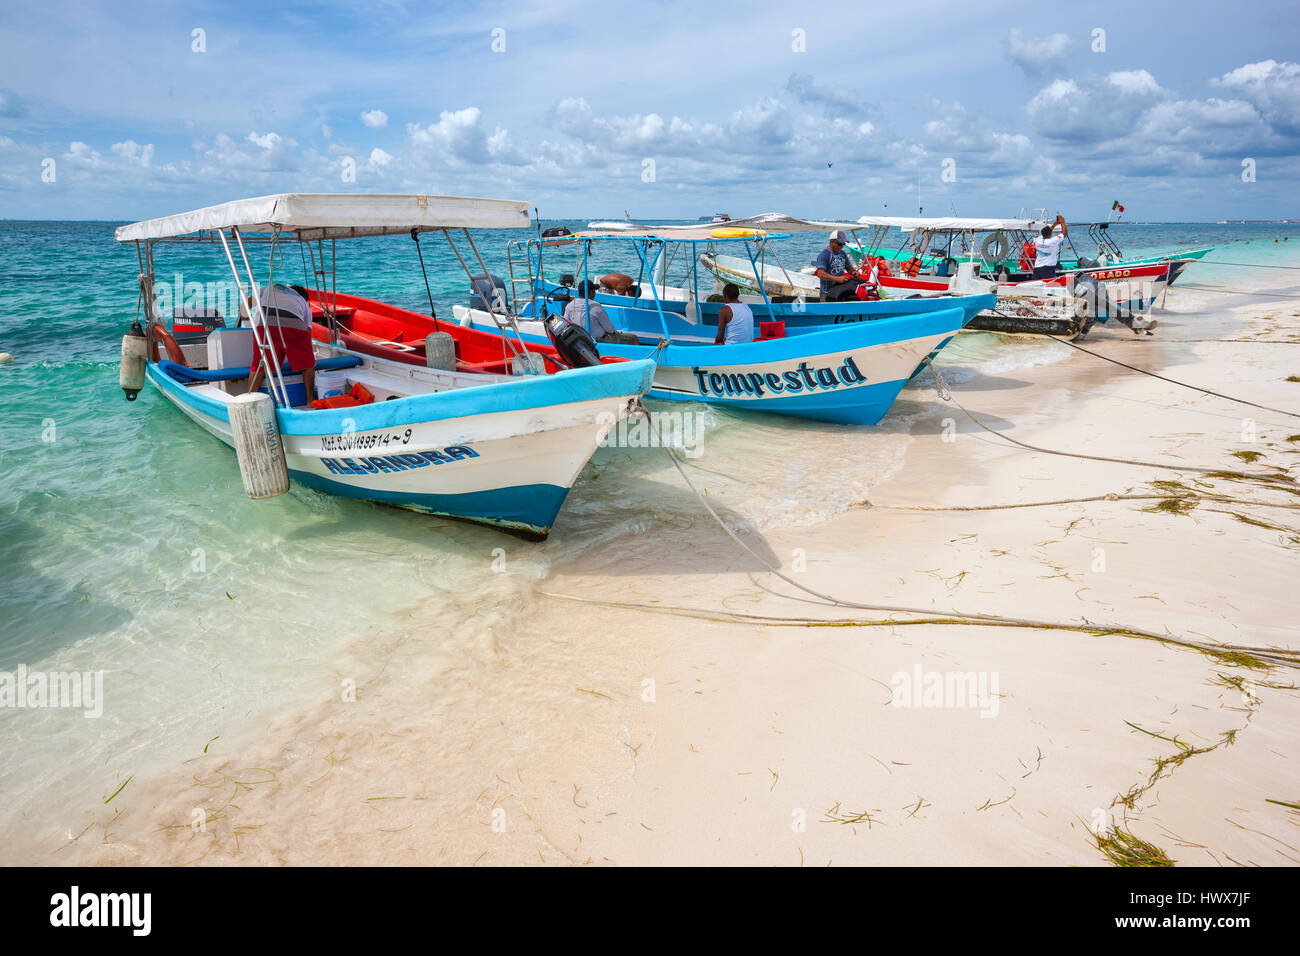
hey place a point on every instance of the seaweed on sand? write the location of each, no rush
(1122, 848)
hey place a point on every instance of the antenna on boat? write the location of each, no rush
(532, 284)
(415, 235)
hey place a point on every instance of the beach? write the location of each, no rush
(641, 691)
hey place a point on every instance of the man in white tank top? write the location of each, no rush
(735, 319)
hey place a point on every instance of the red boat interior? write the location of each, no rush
(386, 331)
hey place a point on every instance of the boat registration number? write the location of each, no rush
(351, 441)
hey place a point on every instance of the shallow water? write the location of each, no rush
(128, 546)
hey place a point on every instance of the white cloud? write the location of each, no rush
(1037, 56)
(1138, 82)
(831, 99)
(266, 141)
(1093, 109)
(133, 152)
(375, 119)
(1274, 88)
(379, 158)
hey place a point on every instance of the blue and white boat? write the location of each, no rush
(848, 371)
(496, 449)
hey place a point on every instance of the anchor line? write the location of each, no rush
(1280, 658)
(1163, 378)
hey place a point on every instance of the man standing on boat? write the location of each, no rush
(1047, 254)
(735, 319)
(287, 318)
(835, 268)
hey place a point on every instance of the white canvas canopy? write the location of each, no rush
(779, 222)
(951, 224)
(314, 216)
(767, 222)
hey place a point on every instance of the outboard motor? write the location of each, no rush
(192, 325)
(577, 349)
(1092, 301)
(489, 292)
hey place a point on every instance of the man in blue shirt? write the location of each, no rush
(834, 269)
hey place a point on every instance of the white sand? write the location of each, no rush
(778, 744)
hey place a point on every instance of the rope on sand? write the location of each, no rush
(1225, 289)
(1220, 499)
(945, 393)
(1233, 653)
(1249, 265)
(1163, 378)
(1276, 656)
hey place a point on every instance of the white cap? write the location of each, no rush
(839, 235)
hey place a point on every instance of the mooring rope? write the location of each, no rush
(1276, 656)
(1225, 289)
(1163, 378)
(945, 393)
(1249, 265)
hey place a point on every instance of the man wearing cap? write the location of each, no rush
(834, 270)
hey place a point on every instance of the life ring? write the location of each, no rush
(995, 247)
(174, 351)
(576, 348)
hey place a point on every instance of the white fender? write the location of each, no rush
(692, 310)
(258, 445)
(440, 351)
(131, 373)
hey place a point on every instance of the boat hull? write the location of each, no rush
(849, 374)
(641, 315)
(503, 455)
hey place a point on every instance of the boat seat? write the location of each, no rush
(183, 374)
(318, 314)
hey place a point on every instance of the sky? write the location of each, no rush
(1181, 111)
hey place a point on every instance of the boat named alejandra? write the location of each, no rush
(478, 433)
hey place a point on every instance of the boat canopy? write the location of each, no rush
(951, 224)
(312, 216)
(614, 230)
(768, 222)
(775, 221)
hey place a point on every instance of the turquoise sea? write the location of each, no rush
(128, 546)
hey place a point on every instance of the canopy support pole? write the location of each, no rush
(415, 235)
(639, 245)
(256, 319)
(771, 315)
